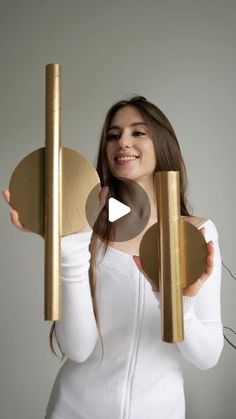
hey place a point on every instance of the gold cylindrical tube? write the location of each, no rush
(52, 220)
(168, 199)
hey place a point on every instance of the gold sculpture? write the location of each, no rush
(49, 189)
(173, 253)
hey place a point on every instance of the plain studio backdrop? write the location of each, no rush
(178, 54)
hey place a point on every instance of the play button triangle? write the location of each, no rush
(116, 209)
(127, 220)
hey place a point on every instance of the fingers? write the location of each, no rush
(210, 258)
(6, 195)
(138, 263)
(140, 267)
(15, 219)
(192, 290)
(13, 213)
(209, 264)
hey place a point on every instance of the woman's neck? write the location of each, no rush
(131, 195)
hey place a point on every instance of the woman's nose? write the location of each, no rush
(125, 139)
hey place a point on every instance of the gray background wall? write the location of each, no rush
(179, 54)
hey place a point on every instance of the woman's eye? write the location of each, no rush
(138, 133)
(113, 136)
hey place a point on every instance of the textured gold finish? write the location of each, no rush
(149, 253)
(170, 280)
(193, 250)
(79, 178)
(52, 220)
(27, 190)
(189, 258)
(49, 189)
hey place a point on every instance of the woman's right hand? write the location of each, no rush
(13, 213)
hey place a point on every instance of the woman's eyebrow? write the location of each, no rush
(134, 124)
(113, 127)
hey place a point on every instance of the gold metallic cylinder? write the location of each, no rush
(52, 221)
(168, 199)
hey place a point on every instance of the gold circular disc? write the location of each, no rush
(193, 252)
(27, 190)
(149, 251)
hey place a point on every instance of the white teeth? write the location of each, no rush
(125, 158)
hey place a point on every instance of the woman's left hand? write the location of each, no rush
(190, 290)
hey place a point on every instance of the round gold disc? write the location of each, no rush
(193, 252)
(27, 196)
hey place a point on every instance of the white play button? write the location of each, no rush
(116, 209)
(127, 216)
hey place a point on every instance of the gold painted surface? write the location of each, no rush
(149, 252)
(193, 252)
(27, 197)
(27, 190)
(79, 178)
(173, 253)
(52, 214)
(49, 189)
(169, 267)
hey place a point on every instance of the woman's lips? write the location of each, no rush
(121, 162)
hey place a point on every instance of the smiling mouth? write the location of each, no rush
(125, 159)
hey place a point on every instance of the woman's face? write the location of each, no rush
(130, 149)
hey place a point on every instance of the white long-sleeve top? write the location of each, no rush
(140, 375)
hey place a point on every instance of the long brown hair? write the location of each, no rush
(168, 157)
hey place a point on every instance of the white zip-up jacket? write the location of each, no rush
(139, 376)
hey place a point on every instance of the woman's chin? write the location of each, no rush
(126, 174)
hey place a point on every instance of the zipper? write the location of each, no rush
(133, 359)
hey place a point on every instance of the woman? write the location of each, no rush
(117, 366)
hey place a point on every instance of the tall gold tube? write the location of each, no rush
(169, 275)
(52, 226)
